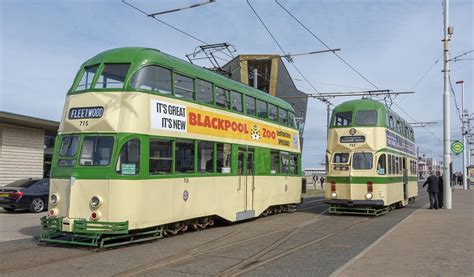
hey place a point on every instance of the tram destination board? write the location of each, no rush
(351, 139)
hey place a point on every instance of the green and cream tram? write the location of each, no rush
(371, 159)
(150, 145)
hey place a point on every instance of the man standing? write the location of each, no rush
(322, 182)
(440, 188)
(433, 190)
(315, 179)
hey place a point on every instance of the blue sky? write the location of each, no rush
(393, 43)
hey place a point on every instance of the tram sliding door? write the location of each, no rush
(405, 178)
(246, 181)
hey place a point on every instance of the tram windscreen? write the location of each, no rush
(68, 146)
(343, 119)
(341, 158)
(112, 76)
(96, 150)
(366, 118)
(362, 160)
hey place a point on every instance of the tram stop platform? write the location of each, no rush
(428, 242)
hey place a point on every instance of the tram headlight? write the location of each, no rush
(368, 196)
(96, 201)
(333, 195)
(54, 199)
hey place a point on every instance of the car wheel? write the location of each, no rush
(37, 205)
(9, 209)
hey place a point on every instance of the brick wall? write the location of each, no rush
(21, 153)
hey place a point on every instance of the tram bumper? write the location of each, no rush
(355, 203)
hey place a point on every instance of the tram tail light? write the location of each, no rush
(370, 186)
(333, 185)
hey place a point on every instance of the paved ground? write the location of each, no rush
(306, 243)
(19, 225)
(429, 242)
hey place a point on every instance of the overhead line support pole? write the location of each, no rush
(446, 114)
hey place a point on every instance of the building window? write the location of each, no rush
(184, 156)
(204, 92)
(161, 156)
(222, 98)
(263, 73)
(223, 157)
(183, 87)
(262, 111)
(128, 162)
(96, 150)
(343, 119)
(87, 78)
(250, 105)
(112, 76)
(236, 101)
(205, 156)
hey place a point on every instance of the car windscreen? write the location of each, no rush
(23, 183)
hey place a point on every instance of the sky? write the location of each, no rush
(394, 43)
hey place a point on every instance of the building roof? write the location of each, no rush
(50, 127)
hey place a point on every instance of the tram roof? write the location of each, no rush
(141, 56)
(360, 104)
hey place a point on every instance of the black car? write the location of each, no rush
(25, 194)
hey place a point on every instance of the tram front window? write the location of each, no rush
(96, 150)
(112, 76)
(366, 118)
(87, 77)
(362, 160)
(343, 119)
(68, 149)
(341, 158)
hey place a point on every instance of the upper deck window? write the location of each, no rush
(222, 97)
(204, 92)
(96, 150)
(283, 116)
(250, 104)
(153, 78)
(183, 87)
(113, 75)
(343, 119)
(262, 109)
(272, 112)
(87, 77)
(366, 118)
(291, 119)
(362, 160)
(237, 101)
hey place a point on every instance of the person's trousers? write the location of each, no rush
(440, 199)
(433, 199)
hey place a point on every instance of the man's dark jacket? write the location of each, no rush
(432, 182)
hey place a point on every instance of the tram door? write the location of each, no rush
(246, 177)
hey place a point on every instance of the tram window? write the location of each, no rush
(183, 87)
(283, 116)
(204, 92)
(275, 162)
(366, 118)
(68, 146)
(113, 75)
(400, 165)
(236, 101)
(184, 156)
(343, 119)
(87, 77)
(381, 165)
(293, 164)
(128, 162)
(262, 111)
(272, 112)
(164, 80)
(391, 122)
(398, 127)
(96, 150)
(397, 166)
(224, 151)
(222, 97)
(393, 165)
(161, 156)
(340, 158)
(250, 105)
(146, 78)
(285, 162)
(291, 119)
(389, 167)
(362, 160)
(205, 156)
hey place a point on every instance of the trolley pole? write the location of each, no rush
(446, 113)
(464, 141)
(328, 116)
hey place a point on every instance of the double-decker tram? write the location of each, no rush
(150, 145)
(371, 159)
